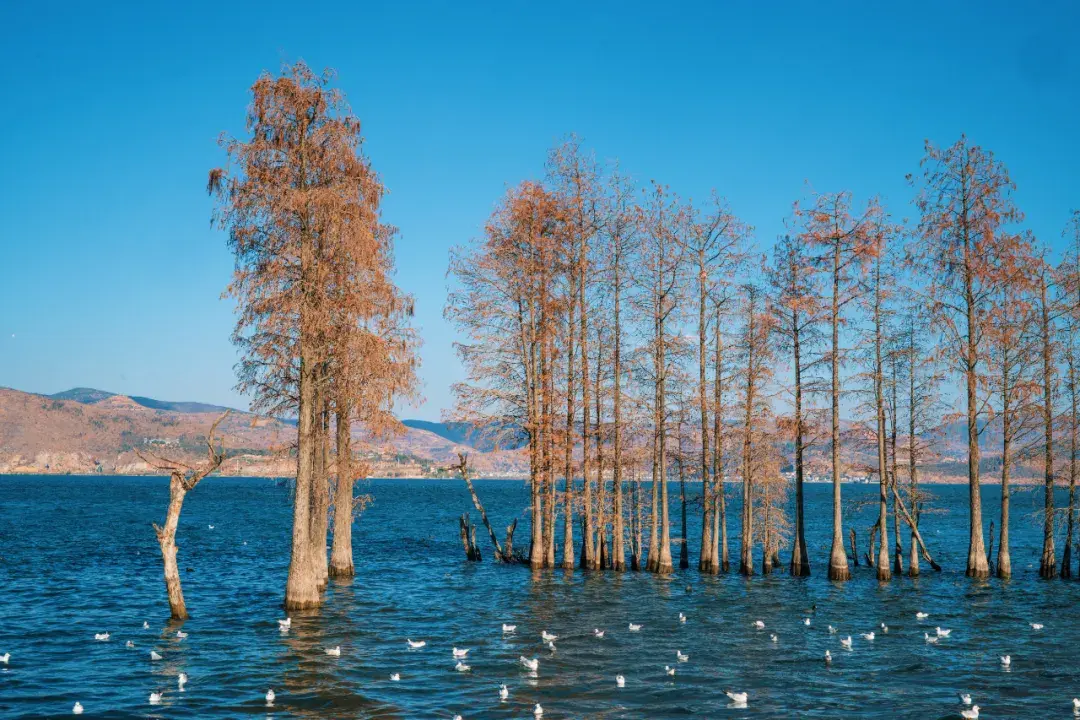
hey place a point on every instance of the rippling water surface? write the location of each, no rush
(78, 557)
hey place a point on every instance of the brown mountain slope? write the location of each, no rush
(40, 434)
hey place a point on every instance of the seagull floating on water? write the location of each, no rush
(884, 629)
(285, 624)
(774, 638)
(620, 681)
(1076, 703)
(1036, 626)
(846, 642)
(5, 657)
(806, 622)
(462, 667)
(965, 698)
(538, 711)
(129, 644)
(759, 625)
(509, 628)
(669, 670)
(504, 692)
(533, 664)
(551, 646)
(270, 697)
(155, 698)
(154, 655)
(181, 679)
(972, 714)
(461, 653)
(1006, 660)
(417, 644)
(634, 628)
(737, 697)
(682, 618)
(680, 656)
(868, 636)
(828, 658)
(548, 637)
(181, 634)
(210, 526)
(335, 651)
(922, 615)
(101, 636)
(395, 677)
(598, 632)
(942, 632)
(77, 710)
(832, 630)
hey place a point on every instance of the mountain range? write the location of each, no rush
(86, 430)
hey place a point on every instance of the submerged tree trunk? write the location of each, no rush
(568, 441)
(341, 555)
(884, 573)
(302, 585)
(320, 489)
(684, 550)
(800, 559)
(721, 561)
(1066, 556)
(838, 566)
(1048, 562)
(618, 550)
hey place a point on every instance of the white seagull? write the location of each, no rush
(922, 615)
(598, 632)
(181, 680)
(461, 653)
(806, 622)
(285, 624)
(538, 711)
(551, 646)
(417, 644)
(884, 628)
(129, 644)
(270, 697)
(77, 710)
(965, 698)
(680, 656)
(868, 636)
(145, 625)
(620, 681)
(759, 625)
(101, 636)
(669, 670)
(504, 692)
(682, 618)
(210, 526)
(846, 642)
(832, 630)
(395, 677)
(634, 628)
(548, 637)
(828, 658)
(533, 664)
(462, 667)
(972, 714)
(181, 634)
(1036, 626)
(738, 698)
(154, 655)
(1006, 660)
(930, 638)
(1076, 703)
(155, 698)
(5, 657)
(509, 628)
(774, 638)
(335, 651)
(942, 632)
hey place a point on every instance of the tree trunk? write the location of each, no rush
(838, 566)
(706, 561)
(684, 550)
(320, 497)
(1066, 555)
(588, 560)
(976, 562)
(800, 559)
(167, 540)
(618, 550)
(1048, 562)
(721, 561)
(341, 555)
(854, 547)
(884, 573)
(568, 446)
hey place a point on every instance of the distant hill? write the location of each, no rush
(89, 396)
(484, 440)
(84, 430)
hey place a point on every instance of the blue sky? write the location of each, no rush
(110, 274)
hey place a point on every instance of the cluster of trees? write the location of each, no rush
(324, 332)
(629, 334)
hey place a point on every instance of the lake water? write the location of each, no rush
(78, 557)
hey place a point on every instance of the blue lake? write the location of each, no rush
(78, 556)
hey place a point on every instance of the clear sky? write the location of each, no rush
(110, 274)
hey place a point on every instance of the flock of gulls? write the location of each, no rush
(738, 699)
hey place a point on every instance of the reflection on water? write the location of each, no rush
(78, 556)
